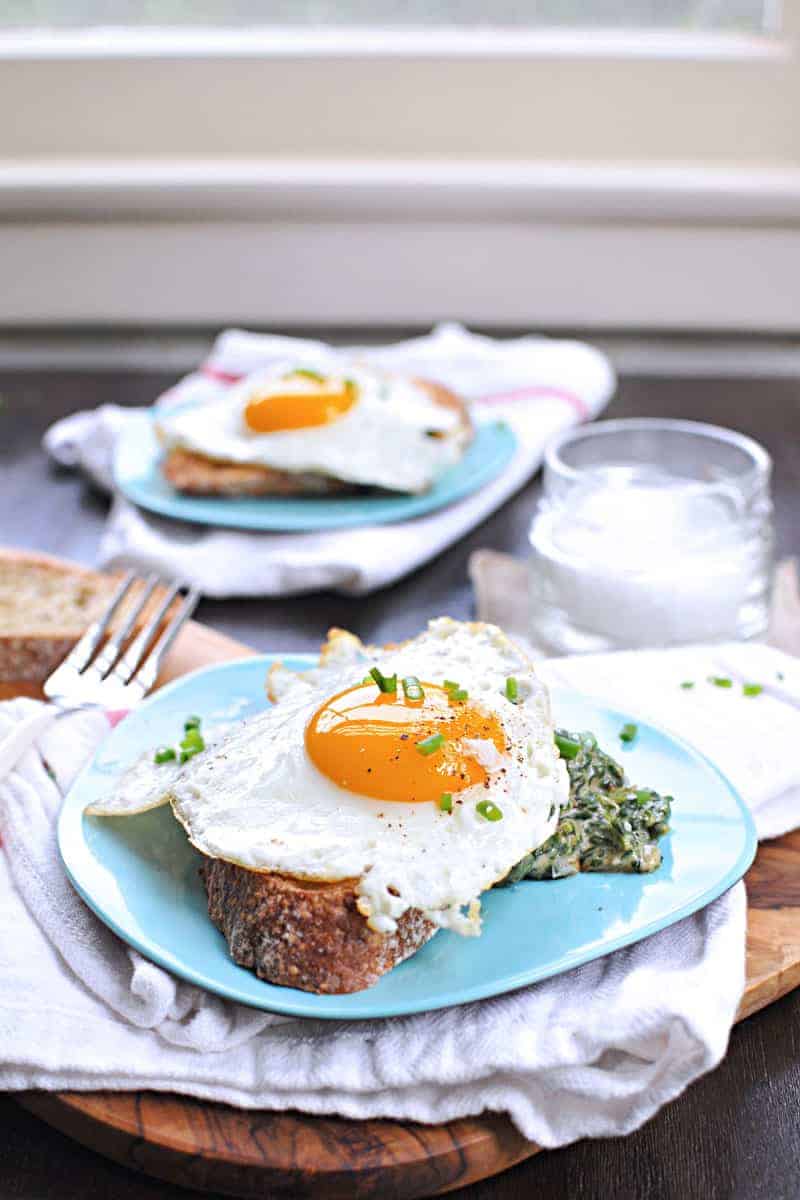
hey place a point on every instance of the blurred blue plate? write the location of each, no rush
(139, 874)
(138, 476)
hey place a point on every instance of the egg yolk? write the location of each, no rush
(367, 741)
(317, 402)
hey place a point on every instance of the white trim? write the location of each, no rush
(348, 188)
(395, 272)
(354, 42)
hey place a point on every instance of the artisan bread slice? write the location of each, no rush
(304, 934)
(197, 474)
(45, 605)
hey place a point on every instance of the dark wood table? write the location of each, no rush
(734, 1134)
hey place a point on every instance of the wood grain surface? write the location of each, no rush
(734, 1135)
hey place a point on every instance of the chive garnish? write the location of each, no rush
(720, 681)
(752, 689)
(192, 722)
(687, 683)
(567, 747)
(485, 808)
(430, 745)
(450, 685)
(164, 754)
(446, 802)
(188, 752)
(192, 737)
(628, 732)
(307, 373)
(386, 683)
(512, 689)
(458, 694)
(413, 688)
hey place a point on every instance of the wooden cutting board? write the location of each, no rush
(238, 1153)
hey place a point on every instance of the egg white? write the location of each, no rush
(256, 799)
(382, 440)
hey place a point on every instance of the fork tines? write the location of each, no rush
(116, 651)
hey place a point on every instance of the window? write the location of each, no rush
(539, 169)
(753, 15)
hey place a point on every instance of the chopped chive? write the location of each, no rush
(446, 802)
(458, 694)
(193, 722)
(188, 752)
(485, 808)
(628, 732)
(367, 679)
(164, 754)
(450, 684)
(720, 681)
(413, 688)
(752, 689)
(192, 737)
(386, 683)
(643, 797)
(567, 747)
(430, 745)
(512, 689)
(307, 373)
(687, 683)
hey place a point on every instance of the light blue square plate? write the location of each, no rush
(139, 874)
(138, 476)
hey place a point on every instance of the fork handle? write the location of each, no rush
(22, 737)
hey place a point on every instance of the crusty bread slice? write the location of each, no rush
(198, 475)
(45, 605)
(304, 934)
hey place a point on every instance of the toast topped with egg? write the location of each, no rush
(372, 804)
(292, 431)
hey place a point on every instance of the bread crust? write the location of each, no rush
(197, 475)
(200, 475)
(304, 934)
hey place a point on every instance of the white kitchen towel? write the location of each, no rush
(593, 1052)
(537, 385)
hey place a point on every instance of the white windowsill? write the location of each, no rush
(433, 42)
(335, 189)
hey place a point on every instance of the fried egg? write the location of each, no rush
(420, 772)
(357, 425)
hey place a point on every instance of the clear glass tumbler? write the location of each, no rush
(651, 533)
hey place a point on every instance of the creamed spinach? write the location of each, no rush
(606, 824)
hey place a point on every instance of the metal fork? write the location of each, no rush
(100, 673)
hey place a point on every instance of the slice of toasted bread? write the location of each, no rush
(304, 934)
(45, 605)
(199, 475)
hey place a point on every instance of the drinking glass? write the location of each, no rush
(651, 533)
